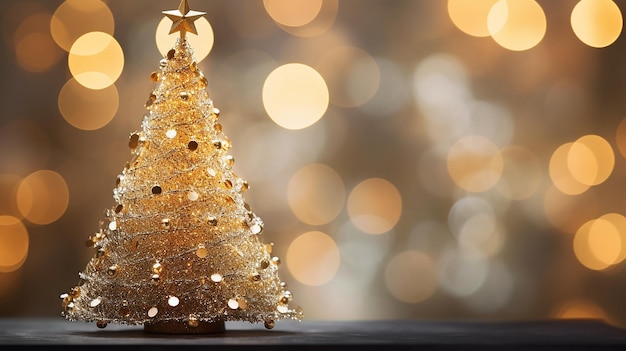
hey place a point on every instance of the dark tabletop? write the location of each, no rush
(310, 335)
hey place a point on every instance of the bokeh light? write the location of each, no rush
(441, 89)
(43, 197)
(295, 96)
(517, 25)
(471, 16)
(353, 76)
(320, 24)
(293, 13)
(313, 258)
(591, 241)
(522, 173)
(316, 194)
(472, 220)
(619, 222)
(8, 192)
(590, 160)
(620, 137)
(597, 23)
(560, 172)
(411, 276)
(96, 60)
(475, 163)
(74, 18)
(87, 109)
(374, 206)
(14, 243)
(35, 50)
(202, 42)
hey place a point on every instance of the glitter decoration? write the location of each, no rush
(152, 312)
(193, 196)
(233, 304)
(173, 301)
(216, 277)
(193, 321)
(95, 302)
(171, 133)
(179, 218)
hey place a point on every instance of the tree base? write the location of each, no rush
(182, 327)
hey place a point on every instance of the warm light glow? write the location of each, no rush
(295, 96)
(375, 206)
(35, 50)
(13, 244)
(590, 160)
(313, 258)
(560, 172)
(202, 42)
(517, 24)
(605, 241)
(580, 309)
(8, 191)
(619, 222)
(96, 60)
(320, 24)
(42, 197)
(522, 173)
(597, 23)
(475, 163)
(87, 109)
(411, 276)
(590, 238)
(74, 18)
(316, 194)
(293, 13)
(471, 16)
(353, 75)
(620, 137)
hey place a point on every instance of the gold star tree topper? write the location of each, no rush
(183, 19)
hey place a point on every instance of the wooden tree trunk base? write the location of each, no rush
(182, 327)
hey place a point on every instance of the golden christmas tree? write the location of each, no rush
(179, 251)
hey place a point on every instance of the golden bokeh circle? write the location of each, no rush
(96, 60)
(316, 194)
(313, 258)
(411, 276)
(471, 16)
(74, 18)
(87, 109)
(295, 96)
(517, 25)
(43, 197)
(475, 163)
(293, 13)
(584, 248)
(560, 172)
(35, 49)
(597, 23)
(14, 244)
(375, 206)
(590, 160)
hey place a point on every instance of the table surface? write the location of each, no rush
(327, 335)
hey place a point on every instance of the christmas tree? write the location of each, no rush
(179, 251)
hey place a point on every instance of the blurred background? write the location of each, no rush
(436, 160)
